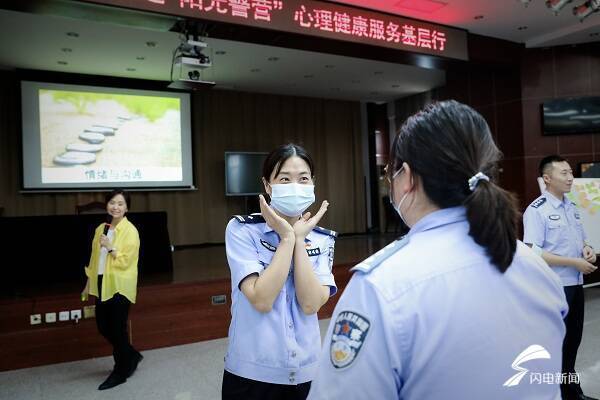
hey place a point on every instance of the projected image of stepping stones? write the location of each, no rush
(101, 130)
(114, 128)
(108, 131)
(84, 147)
(75, 158)
(92, 137)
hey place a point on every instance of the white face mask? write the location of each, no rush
(397, 208)
(292, 199)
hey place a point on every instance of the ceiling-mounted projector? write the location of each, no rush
(189, 62)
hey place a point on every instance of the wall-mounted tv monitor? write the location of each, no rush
(91, 138)
(571, 115)
(589, 170)
(243, 172)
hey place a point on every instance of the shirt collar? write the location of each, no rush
(120, 225)
(555, 201)
(439, 218)
(267, 229)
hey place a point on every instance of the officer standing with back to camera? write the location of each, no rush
(450, 311)
(554, 230)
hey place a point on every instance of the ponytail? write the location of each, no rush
(446, 145)
(493, 217)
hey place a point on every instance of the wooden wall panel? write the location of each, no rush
(221, 121)
(165, 315)
(495, 93)
(565, 71)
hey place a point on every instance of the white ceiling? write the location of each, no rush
(35, 41)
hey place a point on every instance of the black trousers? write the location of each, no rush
(111, 319)
(238, 388)
(574, 325)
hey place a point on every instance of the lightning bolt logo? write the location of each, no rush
(533, 352)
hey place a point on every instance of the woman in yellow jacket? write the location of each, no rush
(112, 278)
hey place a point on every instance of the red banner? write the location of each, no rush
(317, 18)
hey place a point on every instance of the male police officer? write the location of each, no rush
(553, 229)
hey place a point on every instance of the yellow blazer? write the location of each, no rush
(120, 273)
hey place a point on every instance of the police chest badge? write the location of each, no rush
(349, 334)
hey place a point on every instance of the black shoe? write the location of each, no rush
(113, 380)
(584, 397)
(137, 358)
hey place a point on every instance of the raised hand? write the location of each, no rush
(279, 225)
(105, 241)
(305, 224)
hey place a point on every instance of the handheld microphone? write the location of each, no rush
(107, 224)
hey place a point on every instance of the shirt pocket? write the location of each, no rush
(265, 256)
(556, 231)
(552, 224)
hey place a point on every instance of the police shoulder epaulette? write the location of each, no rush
(250, 219)
(325, 231)
(378, 258)
(538, 202)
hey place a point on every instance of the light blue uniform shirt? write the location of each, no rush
(283, 345)
(430, 318)
(556, 227)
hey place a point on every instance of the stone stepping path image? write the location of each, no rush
(84, 147)
(75, 158)
(85, 153)
(101, 130)
(92, 137)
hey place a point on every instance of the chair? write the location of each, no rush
(93, 207)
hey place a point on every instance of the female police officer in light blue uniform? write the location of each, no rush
(281, 275)
(458, 308)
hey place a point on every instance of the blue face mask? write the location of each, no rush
(292, 199)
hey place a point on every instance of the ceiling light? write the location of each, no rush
(73, 34)
(582, 11)
(557, 5)
(424, 6)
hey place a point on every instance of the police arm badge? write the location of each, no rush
(348, 336)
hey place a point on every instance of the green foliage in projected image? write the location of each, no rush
(147, 106)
